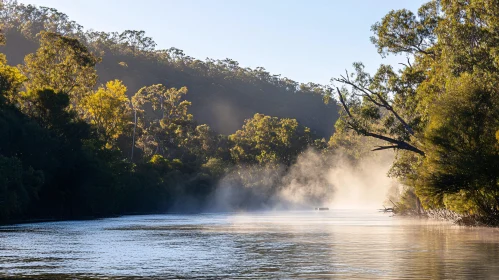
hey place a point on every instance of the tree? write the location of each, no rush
(264, 139)
(167, 134)
(63, 64)
(2, 36)
(18, 187)
(376, 107)
(439, 111)
(108, 109)
(463, 157)
(10, 77)
(136, 41)
(401, 32)
(11, 81)
(168, 102)
(391, 106)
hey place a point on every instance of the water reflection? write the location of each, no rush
(330, 244)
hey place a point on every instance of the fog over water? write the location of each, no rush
(314, 180)
(266, 229)
(261, 224)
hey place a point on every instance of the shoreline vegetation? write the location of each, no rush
(468, 220)
(97, 124)
(439, 110)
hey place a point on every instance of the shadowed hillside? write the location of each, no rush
(223, 94)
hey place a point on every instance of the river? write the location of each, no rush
(337, 244)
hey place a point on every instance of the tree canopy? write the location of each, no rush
(71, 149)
(215, 86)
(439, 111)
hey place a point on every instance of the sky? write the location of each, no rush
(306, 40)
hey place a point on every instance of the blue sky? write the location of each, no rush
(307, 41)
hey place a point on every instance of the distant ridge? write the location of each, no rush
(223, 94)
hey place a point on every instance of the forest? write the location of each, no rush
(97, 124)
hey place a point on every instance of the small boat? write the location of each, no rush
(321, 208)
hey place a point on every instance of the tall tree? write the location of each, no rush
(167, 123)
(269, 140)
(10, 77)
(108, 109)
(63, 64)
(2, 36)
(439, 111)
(463, 155)
(11, 80)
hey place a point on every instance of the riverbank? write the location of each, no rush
(456, 218)
(84, 218)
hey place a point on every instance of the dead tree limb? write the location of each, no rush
(383, 103)
(397, 144)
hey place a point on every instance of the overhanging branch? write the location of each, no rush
(382, 102)
(397, 144)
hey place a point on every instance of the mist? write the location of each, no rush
(314, 180)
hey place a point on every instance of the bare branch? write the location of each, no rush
(342, 101)
(397, 144)
(401, 145)
(380, 148)
(408, 65)
(383, 102)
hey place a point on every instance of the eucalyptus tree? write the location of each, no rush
(2, 36)
(108, 109)
(164, 117)
(63, 64)
(11, 81)
(136, 41)
(31, 20)
(439, 110)
(269, 140)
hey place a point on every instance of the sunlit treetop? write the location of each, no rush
(61, 63)
(108, 109)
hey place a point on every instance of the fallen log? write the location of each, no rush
(386, 210)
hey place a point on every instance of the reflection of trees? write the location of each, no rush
(447, 252)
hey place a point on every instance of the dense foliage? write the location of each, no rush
(71, 148)
(440, 111)
(217, 88)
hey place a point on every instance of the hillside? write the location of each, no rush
(223, 94)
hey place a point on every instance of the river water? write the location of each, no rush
(337, 244)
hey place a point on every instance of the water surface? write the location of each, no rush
(336, 244)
